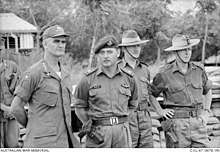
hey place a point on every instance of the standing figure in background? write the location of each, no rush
(104, 99)
(183, 84)
(9, 73)
(140, 121)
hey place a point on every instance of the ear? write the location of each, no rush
(118, 52)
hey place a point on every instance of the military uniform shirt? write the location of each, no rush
(104, 96)
(142, 75)
(49, 98)
(181, 89)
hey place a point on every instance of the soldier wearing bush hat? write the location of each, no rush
(183, 84)
(46, 87)
(104, 98)
(140, 121)
(9, 73)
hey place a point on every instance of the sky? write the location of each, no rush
(182, 5)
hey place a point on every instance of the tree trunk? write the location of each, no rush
(205, 39)
(91, 57)
(158, 52)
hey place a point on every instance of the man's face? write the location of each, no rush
(55, 46)
(134, 50)
(108, 56)
(184, 55)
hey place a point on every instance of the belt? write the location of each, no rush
(110, 121)
(142, 106)
(187, 113)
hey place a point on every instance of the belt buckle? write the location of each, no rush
(113, 120)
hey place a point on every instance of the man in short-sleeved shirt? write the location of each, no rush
(106, 95)
(9, 73)
(183, 84)
(140, 122)
(46, 88)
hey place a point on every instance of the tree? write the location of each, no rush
(206, 7)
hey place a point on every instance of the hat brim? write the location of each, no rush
(192, 42)
(61, 34)
(133, 43)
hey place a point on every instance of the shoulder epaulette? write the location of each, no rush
(198, 64)
(128, 72)
(90, 71)
(165, 68)
(143, 63)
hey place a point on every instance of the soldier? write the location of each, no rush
(183, 84)
(104, 98)
(140, 122)
(9, 73)
(46, 87)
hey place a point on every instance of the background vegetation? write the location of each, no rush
(88, 20)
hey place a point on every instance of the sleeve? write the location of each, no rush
(26, 86)
(132, 104)
(206, 83)
(157, 86)
(81, 94)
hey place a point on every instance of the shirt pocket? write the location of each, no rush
(197, 91)
(176, 93)
(98, 98)
(48, 96)
(124, 95)
(144, 88)
(45, 136)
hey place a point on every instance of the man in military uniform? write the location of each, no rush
(140, 122)
(46, 88)
(9, 73)
(105, 96)
(183, 84)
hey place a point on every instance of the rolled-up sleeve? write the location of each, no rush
(81, 94)
(157, 86)
(207, 84)
(133, 103)
(25, 86)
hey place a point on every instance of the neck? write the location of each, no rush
(52, 62)
(130, 60)
(183, 66)
(110, 71)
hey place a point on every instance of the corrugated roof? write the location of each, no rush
(10, 23)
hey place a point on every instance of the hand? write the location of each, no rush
(204, 117)
(8, 115)
(167, 113)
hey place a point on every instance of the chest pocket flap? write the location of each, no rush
(48, 95)
(175, 88)
(145, 80)
(196, 85)
(125, 91)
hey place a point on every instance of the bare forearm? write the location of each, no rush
(5, 108)
(17, 109)
(208, 100)
(155, 104)
(82, 114)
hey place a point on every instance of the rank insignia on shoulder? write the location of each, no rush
(125, 85)
(130, 73)
(96, 87)
(90, 71)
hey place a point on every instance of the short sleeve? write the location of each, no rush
(157, 86)
(207, 84)
(25, 86)
(81, 94)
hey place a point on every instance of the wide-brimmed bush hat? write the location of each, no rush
(180, 42)
(130, 38)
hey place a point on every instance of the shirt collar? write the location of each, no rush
(100, 71)
(125, 63)
(177, 68)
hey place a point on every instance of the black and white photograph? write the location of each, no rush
(77, 74)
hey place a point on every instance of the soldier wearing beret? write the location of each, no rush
(140, 121)
(9, 73)
(45, 86)
(105, 96)
(183, 84)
